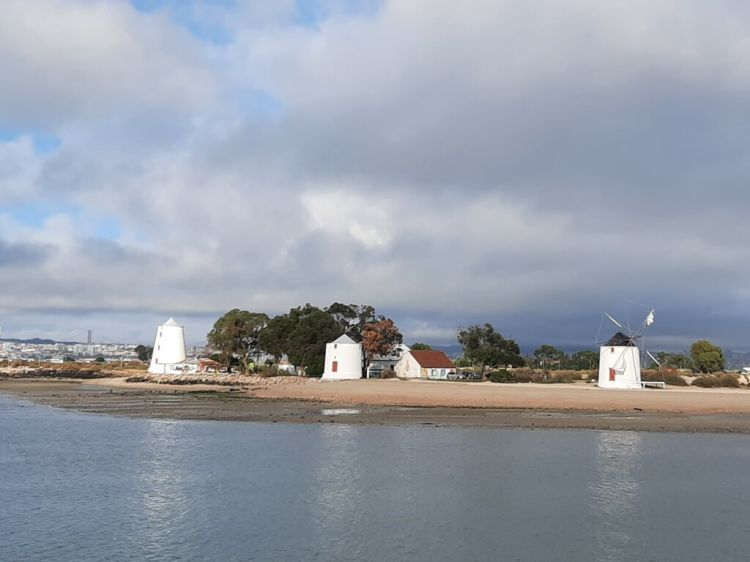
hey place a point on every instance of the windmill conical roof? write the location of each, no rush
(170, 322)
(620, 340)
(343, 339)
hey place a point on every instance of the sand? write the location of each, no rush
(388, 402)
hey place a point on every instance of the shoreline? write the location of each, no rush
(365, 402)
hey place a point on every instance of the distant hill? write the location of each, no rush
(452, 350)
(38, 341)
(736, 359)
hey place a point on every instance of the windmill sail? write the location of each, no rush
(650, 318)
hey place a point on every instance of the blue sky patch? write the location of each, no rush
(44, 143)
(310, 13)
(187, 14)
(36, 214)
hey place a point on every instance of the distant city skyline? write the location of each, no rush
(528, 164)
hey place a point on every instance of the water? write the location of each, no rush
(85, 487)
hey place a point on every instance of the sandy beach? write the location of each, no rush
(575, 406)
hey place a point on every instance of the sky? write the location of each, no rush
(532, 164)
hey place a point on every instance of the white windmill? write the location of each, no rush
(620, 358)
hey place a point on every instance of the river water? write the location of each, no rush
(82, 487)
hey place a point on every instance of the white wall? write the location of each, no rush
(348, 359)
(625, 363)
(407, 367)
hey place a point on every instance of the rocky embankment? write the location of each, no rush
(62, 372)
(218, 379)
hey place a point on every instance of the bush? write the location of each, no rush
(729, 380)
(388, 374)
(523, 375)
(670, 377)
(315, 367)
(706, 381)
(673, 379)
(566, 376)
(726, 380)
(501, 375)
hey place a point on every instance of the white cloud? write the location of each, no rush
(523, 163)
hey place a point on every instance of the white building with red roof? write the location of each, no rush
(424, 365)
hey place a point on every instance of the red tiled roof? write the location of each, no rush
(433, 360)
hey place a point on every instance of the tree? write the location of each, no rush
(484, 346)
(419, 346)
(674, 360)
(379, 338)
(583, 360)
(237, 334)
(302, 335)
(548, 357)
(100, 359)
(144, 352)
(353, 318)
(707, 357)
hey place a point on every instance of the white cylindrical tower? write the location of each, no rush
(169, 349)
(619, 367)
(343, 359)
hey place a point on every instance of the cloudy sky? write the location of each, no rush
(530, 163)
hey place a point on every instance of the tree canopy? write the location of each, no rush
(302, 335)
(484, 346)
(144, 352)
(379, 338)
(548, 357)
(237, 334)
(353, 318)
(707, 357)
(419, 346)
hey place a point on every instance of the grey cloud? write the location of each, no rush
(14, 254)
(446, 165)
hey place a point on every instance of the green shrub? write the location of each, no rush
(315, 367)
(501, 375)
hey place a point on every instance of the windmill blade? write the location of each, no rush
(655, 360)
(615, 322)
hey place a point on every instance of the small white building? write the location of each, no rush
(382, 363)
(343, 359)
(620, 363)
(168, 356)
(424, 364)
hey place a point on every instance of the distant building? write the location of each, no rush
(428, 364)
(343, 359)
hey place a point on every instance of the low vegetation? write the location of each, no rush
(717, 380)
(671, 377)
(538, 376)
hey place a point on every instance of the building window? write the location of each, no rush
(335, 366)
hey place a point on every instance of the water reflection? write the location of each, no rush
(161, 495)
(337, 486)
(614, 494)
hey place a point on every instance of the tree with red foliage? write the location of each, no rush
(379, 338)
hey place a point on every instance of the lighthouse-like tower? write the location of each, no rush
(169, 349)
(343, 359)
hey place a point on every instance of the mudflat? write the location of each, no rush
(389, 402)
